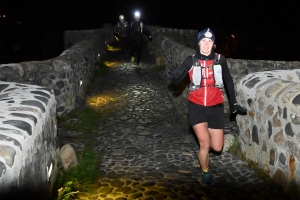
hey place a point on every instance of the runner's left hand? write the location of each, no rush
(237, 107)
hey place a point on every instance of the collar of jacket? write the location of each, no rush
(200, 56)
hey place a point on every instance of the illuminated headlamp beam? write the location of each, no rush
(137, 14)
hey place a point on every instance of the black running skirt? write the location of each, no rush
(213, 115)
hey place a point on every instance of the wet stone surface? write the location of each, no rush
(147, 148)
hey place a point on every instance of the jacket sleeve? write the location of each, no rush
(228, 81)
(180, 73)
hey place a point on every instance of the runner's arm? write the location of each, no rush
(177, 75)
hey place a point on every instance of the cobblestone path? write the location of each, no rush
(148, 149)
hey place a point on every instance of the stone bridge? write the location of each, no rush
(34, 93)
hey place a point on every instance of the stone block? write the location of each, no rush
(159, 61)
(68, 157)
(8, 153)
(228, 141)
(280, 178)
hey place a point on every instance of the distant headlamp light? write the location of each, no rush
(137, 14)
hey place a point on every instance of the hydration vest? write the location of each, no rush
(196, 79)
(140, 28)
(121, 30)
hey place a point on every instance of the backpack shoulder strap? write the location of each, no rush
(217, 59)
(141, 25)
(195, 60)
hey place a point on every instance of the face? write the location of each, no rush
(137, 18)
(122, 20)
(205, 46)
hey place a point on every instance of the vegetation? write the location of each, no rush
(235, 149)
(87, 120)
(80, 178)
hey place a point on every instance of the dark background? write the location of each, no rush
(262, 29)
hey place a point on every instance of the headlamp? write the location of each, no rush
(121, 17)
(137, 14)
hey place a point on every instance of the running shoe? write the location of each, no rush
(132, 59)
(205, 179)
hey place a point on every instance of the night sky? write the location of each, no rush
(262, 29)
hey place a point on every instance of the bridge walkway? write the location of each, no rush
(148, 150)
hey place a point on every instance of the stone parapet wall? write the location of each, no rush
(28, 140)
(31, 97)
(186, 37)
(269, 134)
(68, 74)
(173, 53)
(109, 36)
(76, 36)
(239, 68)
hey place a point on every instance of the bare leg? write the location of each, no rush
(208, 138)
(217, 139)
(201, 131)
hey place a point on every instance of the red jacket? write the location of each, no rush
(206, 96)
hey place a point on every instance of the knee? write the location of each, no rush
(217, 147)
(204, 145)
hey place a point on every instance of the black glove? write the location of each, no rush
(236, 107)
(116, 34)
(150, 38)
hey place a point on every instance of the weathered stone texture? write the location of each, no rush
(255, 137)
(28, 140)
(288, 130)
(282, 159)
(277, 92)
(279, 138)
(272, 157)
